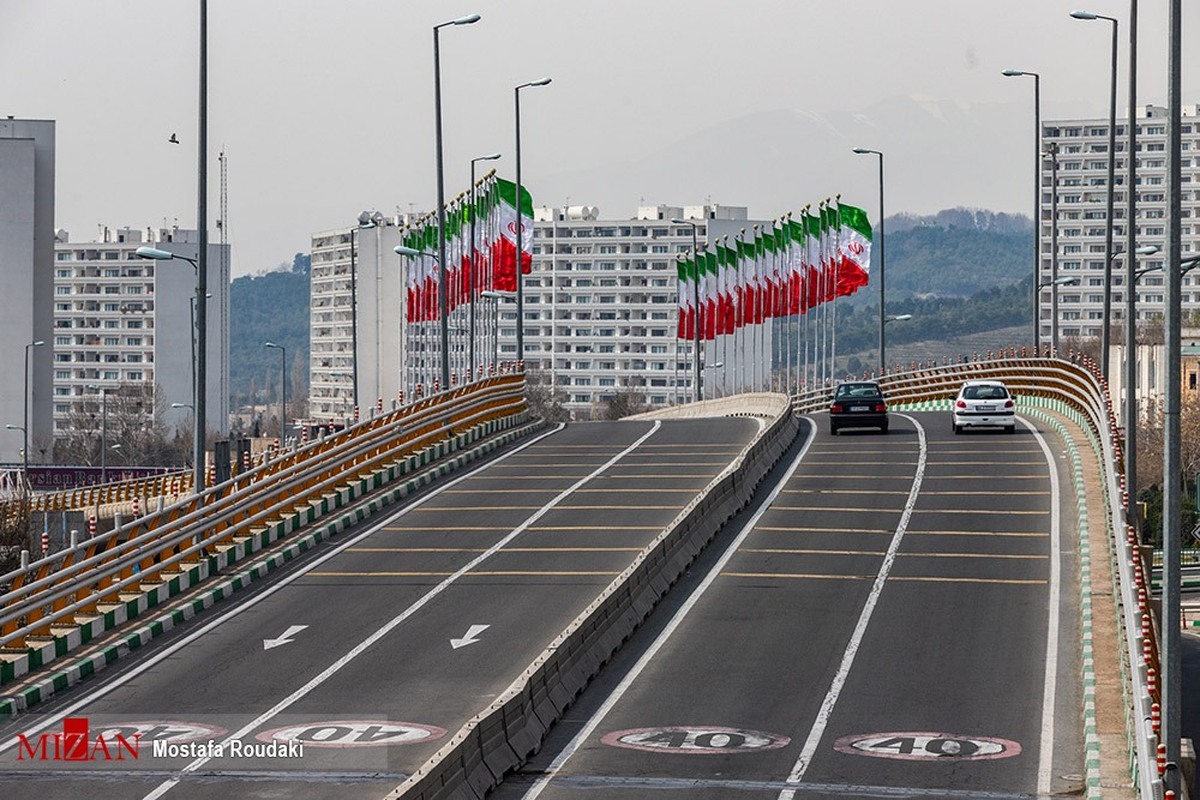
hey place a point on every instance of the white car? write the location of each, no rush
(984, 404)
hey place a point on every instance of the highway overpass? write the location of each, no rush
(900, 615)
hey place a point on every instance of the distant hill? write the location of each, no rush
(955, 253)
(269, 307)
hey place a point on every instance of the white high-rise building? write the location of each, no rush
(122, 322)
(1082, 146)
(601, 311)
(355, 261)
(26, 264)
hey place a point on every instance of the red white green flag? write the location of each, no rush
(854, 249)
(504, 249)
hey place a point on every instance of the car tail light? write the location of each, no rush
(960, 404)
(1008, 403)
(835, 408)
(880, 407)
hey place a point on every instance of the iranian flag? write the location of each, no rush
(504, 249)
(854, 249)
(685, 290)
(813, 259)
(747, 294)
(707, 266)
(727, 262)
(797, 301)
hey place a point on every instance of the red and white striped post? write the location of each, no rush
(379, 405)
(137, 507)
(400, 397)
(45, 543)
(91, 526)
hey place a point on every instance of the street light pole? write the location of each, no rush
(443, 289)
(1172, 460)
(520, 223)
(474, 293)
(1052, 152)
(282, 391)
(882, 313)
(25, 422)
(1112, 166)
(199, 309)
(1130, 281)
(201, 264)
(697, 390)
(104, 436)
(1037, 193)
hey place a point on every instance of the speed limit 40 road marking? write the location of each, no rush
(910, 746)
(353, 733)
(695, 740)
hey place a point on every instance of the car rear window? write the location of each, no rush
(985, 393)
(851, 390)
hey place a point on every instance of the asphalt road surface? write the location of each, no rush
(900, 621)
(372, 649)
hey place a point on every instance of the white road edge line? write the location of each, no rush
(622, 687)
(1050, 687)
(839, 679)
(395, 621)
(166, 653)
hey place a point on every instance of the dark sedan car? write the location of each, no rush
(859, 404)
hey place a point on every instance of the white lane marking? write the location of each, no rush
(1050, 687)
(860, 629)
(602, 712)
(470, 637)
(167, 652)
(395, 621)
(286, 638)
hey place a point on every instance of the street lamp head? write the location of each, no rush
(1065, 281)
(900, 318)
(153, 253)
(1146, 250)
(861, 151)
(181, 405)
(540, 82)
(13, 428)
(467, 20)
(38, 343)
(488, 157)
(492, 294)
(270, 344)
(1083, 15)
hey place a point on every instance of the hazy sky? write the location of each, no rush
(325, 107)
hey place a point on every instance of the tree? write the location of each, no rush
(624, 403)
(544, 400)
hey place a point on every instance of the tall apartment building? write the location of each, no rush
(1082, 199)
(600, 310)
(356, 260)
(26, 264)
(600, 304)
(120, 322)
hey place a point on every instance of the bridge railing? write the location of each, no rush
(1074, 387)
(83, 579)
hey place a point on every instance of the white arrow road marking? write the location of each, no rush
(470, 637)
(285, 638)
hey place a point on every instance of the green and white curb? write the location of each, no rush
(18, 702)
(1032, 406)
(1091, 735)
